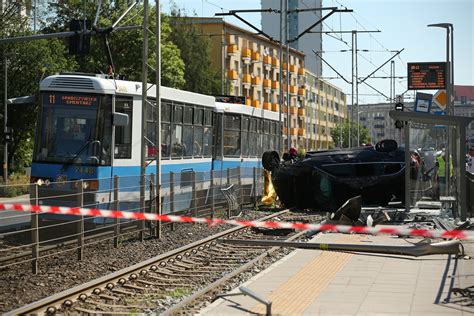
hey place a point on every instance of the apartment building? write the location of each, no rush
(250, 67)
(325, 108)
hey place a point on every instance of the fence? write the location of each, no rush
(26, 237)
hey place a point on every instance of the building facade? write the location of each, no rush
(297, 23)
(326, 108)
(464, 106)
(250, 66)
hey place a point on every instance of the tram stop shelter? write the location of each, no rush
(455, 144)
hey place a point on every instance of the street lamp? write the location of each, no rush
(449, 91)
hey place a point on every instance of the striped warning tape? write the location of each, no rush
(400, 231)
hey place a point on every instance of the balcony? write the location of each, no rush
(255, 56)
(275, 85)
(285, 130)
(293, 89)
(246, 79)
(293, 69)
(231, 49)
(301, 92)
(256, 104)
(275, 107)
(232, 75)
(284, 67)
(301, 72)
(301, 132)
(256, 81)
(246, 54)
(301, 112)
(267, 84)
(293, 110)
(294, 131)
(267, 106)
(267, 62)
(275, 63)
(248, 102)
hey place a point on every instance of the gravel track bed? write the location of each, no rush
(18, 286)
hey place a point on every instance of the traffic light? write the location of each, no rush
(79, 44)
(399, 106)
(8, 135)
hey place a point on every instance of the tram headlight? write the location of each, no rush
(39, 181)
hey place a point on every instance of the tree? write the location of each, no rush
(195, 48)
(344, 128)
(126, 46)
(27, 64)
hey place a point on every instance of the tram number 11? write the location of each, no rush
(52, 98)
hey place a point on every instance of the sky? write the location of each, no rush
(403, 24)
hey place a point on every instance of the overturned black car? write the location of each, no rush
(324, 180)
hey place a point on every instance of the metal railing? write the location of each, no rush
(30, 237)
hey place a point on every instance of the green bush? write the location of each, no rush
(17, 185)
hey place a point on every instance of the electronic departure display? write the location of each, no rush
(55, 98)
(426, 76)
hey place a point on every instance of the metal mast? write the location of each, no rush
(144, 106)
(157, 117)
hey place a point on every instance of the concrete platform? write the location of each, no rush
(315, 282)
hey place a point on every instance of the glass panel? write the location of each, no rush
(165, 140)
(187, 140)
(208, 117)
(123, 134)
(70, 129)
(188, 115)
(232, 122)
(245, 146)
(197, 146)
(165, 111)
(207, 142)
(232, 143)
(198, 116)
(253, 144)
(178, 114)
(177, 141)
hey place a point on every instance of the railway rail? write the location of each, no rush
(166, 283)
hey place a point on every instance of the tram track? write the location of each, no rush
(159, 283)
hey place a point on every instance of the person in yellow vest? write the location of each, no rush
(440, 171)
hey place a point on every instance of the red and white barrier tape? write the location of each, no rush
(400, 231)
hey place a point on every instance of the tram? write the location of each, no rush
(90, 129)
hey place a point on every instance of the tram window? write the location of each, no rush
(231, 143)
(178, 114)
(165, 140)
(245, 147)
(259, 145)
(177, 141)
(232, 135)
(266, 125)
(253, 144)
(198, 116)
(188, 115)
(207, 117)
(232, 122)
(197, 144)
(187, 140)
(123, 134)
(207, 142)
(165, 112)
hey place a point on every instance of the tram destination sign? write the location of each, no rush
(55, 98)
(426, 76)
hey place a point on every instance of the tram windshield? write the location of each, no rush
(74, 128)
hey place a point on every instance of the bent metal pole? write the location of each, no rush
(420, 249)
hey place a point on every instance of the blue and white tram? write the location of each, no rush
(78, 138)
